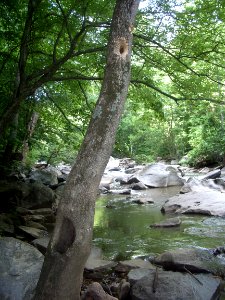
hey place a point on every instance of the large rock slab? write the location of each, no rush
(193, 259)
(207, 202)
(169, 285)
(20, 267)
(159, 175)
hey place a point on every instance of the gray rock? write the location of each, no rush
(207, 202)
(46, 176)
(212, 175)
(33, 232)
(194, 259)
(159, 175)
(136, 274)
(172, 222)
(176, 286)
(96, 292)
(138, 186)
(133, 170)
(41, 244)
(124, 289)
(136, 263)
(20, 267)
(39, 196)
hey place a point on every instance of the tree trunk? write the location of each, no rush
(30, 130)
(68, 250)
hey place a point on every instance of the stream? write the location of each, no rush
(122, 230)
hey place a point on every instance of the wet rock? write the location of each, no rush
(172, 222)
(120, 192)
(132, 180)
(20, 267)
(116, 169)
(96, 292)
(175, 286)
(212, 175)
(138, 186)
(194, 259)
(143, 201)
(207, 202)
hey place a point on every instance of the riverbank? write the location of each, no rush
(128, 222)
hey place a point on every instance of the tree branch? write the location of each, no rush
(62, 112)
(176, 99)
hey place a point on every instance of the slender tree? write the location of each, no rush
(70, 245)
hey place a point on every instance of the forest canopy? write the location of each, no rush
(52, 65)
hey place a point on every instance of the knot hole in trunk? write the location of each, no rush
(121, 47)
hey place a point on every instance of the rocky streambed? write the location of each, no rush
(153, 242)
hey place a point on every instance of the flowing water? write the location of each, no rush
(122, 230)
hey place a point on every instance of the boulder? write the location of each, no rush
(195, 184)
(46, 176)
(159, 175)
(193, 259)
(171, 222)
(26, 195)
(175, 286)
(20, 267)
(39, 196)
(207, 202)
(212, 175)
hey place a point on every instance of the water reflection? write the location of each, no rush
(122, 231)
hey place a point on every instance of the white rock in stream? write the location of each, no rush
(159, 175)
(207, 202)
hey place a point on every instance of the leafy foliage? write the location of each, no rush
(52, 61)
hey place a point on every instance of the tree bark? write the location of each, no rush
(68, 250)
